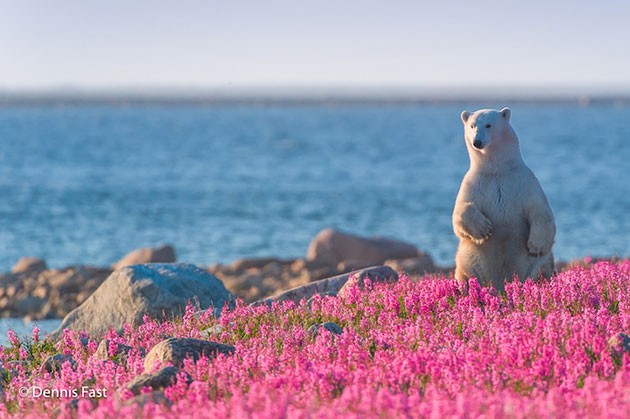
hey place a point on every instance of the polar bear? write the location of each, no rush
(502, 218)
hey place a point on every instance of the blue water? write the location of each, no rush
(88, 184)
(24, 329)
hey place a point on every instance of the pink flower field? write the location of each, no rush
(414, 348)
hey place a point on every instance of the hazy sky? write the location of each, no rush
(51, 43)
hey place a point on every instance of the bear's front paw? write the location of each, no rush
(481, 230)
(536, 248)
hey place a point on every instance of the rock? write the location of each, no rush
(620, 342)
(419, 265)
(41, 292)
(215, 330)
(82, 296)
(155, 397)
(332, 327)
(258, 263)
(4, 303)
(153, 289)
(309, 302)
(322, 273)
(74, 279)
(122, 351)
(73, 405)
(10, 291)
(29, 264)
(158, 380)
(28, 305)
(54, 363)
(377, 274)
(351, 265)
(332, 286)
(14, 367)
(47, 312)
(175, 350)
(266, 302)
(298, 266)
(162, 254)
(330, 247)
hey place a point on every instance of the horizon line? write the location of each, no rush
(325, 94)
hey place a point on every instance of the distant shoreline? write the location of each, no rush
(8, 100)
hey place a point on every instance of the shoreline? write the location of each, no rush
(50, 294)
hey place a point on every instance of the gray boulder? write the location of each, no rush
(175, 350)
(154, 289)
(376, 275)
(161, 254)
(331, 247)
(332, 286)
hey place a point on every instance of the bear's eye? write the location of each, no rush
(472, 126)
(487, 125)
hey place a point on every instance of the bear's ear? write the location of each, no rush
(465, 116)
(506, 113)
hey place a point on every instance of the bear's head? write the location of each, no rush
(486, 129)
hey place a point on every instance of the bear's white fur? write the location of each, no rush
(501, 216)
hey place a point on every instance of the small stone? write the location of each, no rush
(27, 305)
(15, 366)
(54, 363)
(41, 292)
(298, 266)
(258, 263)
(10, 291)
(155, 397)
(332, 327)
(620, 342)
(4, 303)
(28, 264)
(47, 312)
(158, 380)
(217, 329)
(122, 351)
(175, 350)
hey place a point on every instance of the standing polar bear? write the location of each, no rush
(501, 215)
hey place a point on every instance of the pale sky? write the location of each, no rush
(113, 43)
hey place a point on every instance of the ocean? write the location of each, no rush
(87, 184)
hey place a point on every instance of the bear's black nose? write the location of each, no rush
(478, 144)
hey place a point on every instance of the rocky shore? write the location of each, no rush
(35, 291)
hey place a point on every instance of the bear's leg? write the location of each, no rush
(462, 278)
(541, 268)
(469, 263)
(547, 267)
